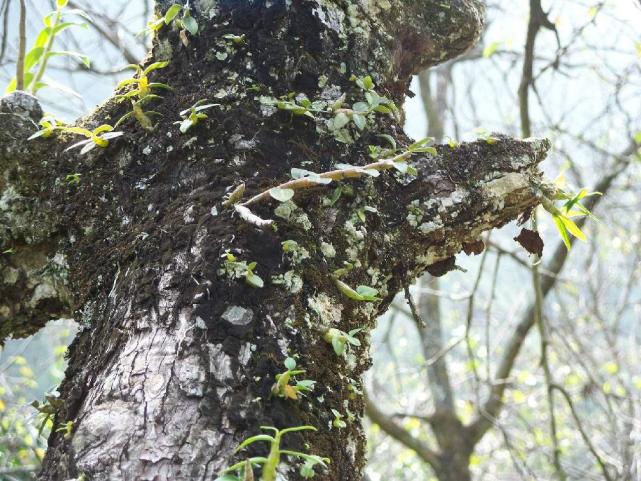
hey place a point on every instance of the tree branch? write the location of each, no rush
(389, 426)
(33, 276)
(494, 404)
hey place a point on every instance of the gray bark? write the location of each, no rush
(176, 358)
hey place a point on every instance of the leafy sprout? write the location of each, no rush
(338, 422)
(73, 179)
(193, 115)
(272, 461)
(66, 428)
(49, 126)
(282, 388)
(36, 60)
(184, 22)
(236, 269)
(98, 137)
(47, 410)
(143, 117)
(142, 86)
(341, 340)
(361, 293)
(562, 216)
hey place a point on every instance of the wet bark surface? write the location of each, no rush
(177, 353)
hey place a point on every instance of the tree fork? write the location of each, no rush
(176, 358)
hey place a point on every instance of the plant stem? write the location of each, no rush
(549, 380)
(45, 54)
(355, 172)
(22, 46)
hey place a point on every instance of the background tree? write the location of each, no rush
(572, 432)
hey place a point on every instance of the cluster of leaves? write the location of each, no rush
(270, 463)
(36, 59)
(282, 388)
(226, 46)
(143, 92)
(482, 134)
(184, 23)
(339, 419)
(361, 112)
(572, 207)
(338, 115)
(361, 293)
(235, 269)
(47, 410)
(193, 115)
(98, 137)
(297, 252)
(341, 340)
(143, 88)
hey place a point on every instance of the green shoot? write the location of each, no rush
(36, 60)
(362, 293)
(338, 420)
(49, 126)
(341, 340)
(184, 22)
(282, 388)
(571, 208)
(137, 112)
(193, 115)
(142, 86)
(98, 137)
(235, 269)
(73, 179)
(66, 428)
(272, 461)
(47, 411)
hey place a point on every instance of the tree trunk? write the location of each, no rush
(177, 354)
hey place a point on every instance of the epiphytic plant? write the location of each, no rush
(272, 461)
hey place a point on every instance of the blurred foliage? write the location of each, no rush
(28, 368)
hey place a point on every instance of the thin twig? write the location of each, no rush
(584, 435)
(547, 372)
(415, 315)
(22, 46)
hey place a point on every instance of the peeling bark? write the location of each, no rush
(177, 354)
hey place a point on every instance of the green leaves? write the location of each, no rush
(236, 269)
(490, 49)
(281, 195)
(253, 279)
(143, 88)
(297, 173)
(98, 137)
(184, 23)
(190, 24)
(338, 420)
(572, 208)
(423, 146)
(365, 83)
(290, 363)
(193, 115)
(171, 13)
(341, 340)
(282, 388)
(37, 58)
(362, 293)
(271, 463)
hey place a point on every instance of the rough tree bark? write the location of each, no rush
(175, 360)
